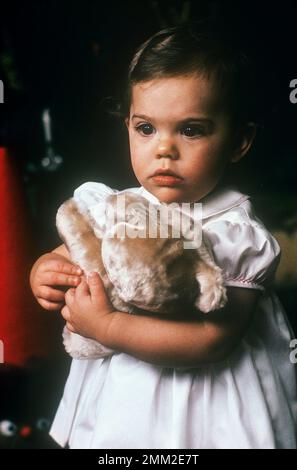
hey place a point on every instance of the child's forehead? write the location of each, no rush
(181, 95)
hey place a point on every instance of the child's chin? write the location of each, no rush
(173, 194)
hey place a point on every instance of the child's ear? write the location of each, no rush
(244, 141)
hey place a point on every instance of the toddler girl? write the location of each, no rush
(219, 380)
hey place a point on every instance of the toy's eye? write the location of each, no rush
(7, 428)
(42, 424)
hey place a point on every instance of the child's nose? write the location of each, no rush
(166, 149)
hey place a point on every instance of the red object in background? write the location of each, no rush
(25, 328)
(25, 431)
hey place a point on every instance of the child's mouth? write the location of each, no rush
(166, 178)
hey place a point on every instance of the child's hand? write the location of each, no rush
(49, 273)
(88, 310)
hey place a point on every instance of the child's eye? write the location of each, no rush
(145, 129)
(192, 131)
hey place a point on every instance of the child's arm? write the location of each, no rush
(51, 271)
(170, 343)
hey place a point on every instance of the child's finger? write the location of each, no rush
(70, 327)
(50, 305)
(65, 267)
(95, 285)
(83, 288)
(50, 294)
(52, 278)
(65, 312)
(69, 296)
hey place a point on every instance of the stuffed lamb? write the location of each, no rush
(144, 265)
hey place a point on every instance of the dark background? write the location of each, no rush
(70, 56)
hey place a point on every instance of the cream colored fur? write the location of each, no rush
(140, 274)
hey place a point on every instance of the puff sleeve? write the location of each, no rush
(90, 199)
(89, 194)
(245, 251)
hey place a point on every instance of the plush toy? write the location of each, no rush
(144, 265)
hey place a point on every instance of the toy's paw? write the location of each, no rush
(83, 348)
(212, 291)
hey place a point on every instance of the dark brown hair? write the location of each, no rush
(203, 48)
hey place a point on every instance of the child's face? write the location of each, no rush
(177, 124)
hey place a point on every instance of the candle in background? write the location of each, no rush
(1, 92)
(51, 161)
(46, 119)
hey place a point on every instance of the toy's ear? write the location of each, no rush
(212, 291)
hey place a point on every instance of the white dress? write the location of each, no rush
(246, 402)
